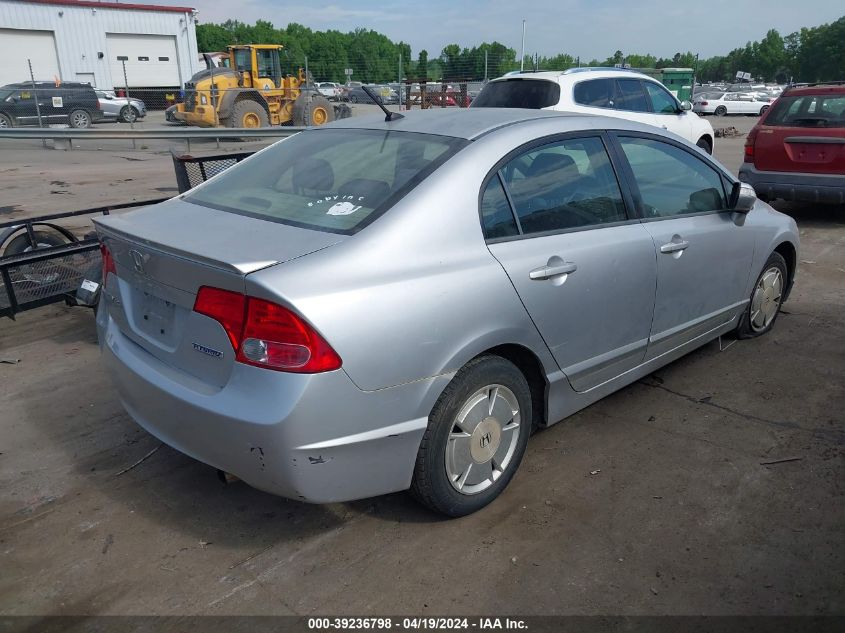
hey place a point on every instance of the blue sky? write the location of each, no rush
(589, 28)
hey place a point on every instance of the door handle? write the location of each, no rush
(545, 272)
(674, 247)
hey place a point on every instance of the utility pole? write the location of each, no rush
(485, 66)
(399, 82)
(128, 102)
(35, 96)
(522, 56)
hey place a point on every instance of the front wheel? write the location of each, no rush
(5, 122)
(763, 110)
(80, 119)
(721, 111)
(128, 114)
(248, 114)
(766, 299)
(475, 439)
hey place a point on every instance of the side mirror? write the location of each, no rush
(743, 197)
(686, 105)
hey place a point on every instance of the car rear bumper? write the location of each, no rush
(826, 188)
(315, 438)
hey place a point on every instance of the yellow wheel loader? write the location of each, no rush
(249, 90)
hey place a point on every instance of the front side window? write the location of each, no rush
(242, 59)
(595, 93)
(672, 181)
(630, 96)
(661, 101)
(564, 185)
(334, 180)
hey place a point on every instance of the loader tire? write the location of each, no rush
(310, 109)
(248, 114)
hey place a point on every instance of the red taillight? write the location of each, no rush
(266, 334)
(226, 307)
(108, 262)
(704, 103)
(749, 145)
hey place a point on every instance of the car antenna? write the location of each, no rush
(388, 115)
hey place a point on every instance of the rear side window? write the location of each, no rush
(328, 180)
(564, 185)
(595, 93)
(496, 215)
(518, 93)
(672, 181)
(808, 111)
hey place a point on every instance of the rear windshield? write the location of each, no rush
(518, 93)
(808, 111)
(334, 180)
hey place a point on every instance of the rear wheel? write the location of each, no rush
(312, 109)
(704, 144)
(766, 299)
(476, 437)
(248, 114)
(5, 122)
(721, 111)
(763, 110)
(128, 114)
(80, 119)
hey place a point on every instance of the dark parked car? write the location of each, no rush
(356, 94)
(797, 149)
(73, 103)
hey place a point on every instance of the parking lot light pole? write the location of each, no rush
(522, 55)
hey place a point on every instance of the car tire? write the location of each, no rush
(763, 110)
(248, 114)
(766, 299)
(128, 114)
(720, 111)
(704, 144)
(5, 122)
(459, 437)
(79, 119)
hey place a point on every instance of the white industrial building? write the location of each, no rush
(88, 41)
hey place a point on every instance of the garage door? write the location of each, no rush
(18, 45)
(150, 60)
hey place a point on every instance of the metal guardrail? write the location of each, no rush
(186, 132)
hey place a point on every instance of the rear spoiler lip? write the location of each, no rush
(241, 268)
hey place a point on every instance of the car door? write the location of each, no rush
(20, 106)
(555, 219)
(703, 250)
(666, 112)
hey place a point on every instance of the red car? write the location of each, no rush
(797, 149)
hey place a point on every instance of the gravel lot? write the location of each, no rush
(683, 517)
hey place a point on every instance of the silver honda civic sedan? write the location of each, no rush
(372, 306)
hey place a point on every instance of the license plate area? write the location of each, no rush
(155, 317)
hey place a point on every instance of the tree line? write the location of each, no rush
(810, 54)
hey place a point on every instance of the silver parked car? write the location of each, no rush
(373, 306)
(116, 108)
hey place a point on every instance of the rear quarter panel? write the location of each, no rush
(417, 293)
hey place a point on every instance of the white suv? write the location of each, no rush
(606, 91)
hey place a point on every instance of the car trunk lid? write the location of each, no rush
(165, 253)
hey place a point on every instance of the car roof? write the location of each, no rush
(576, 74)
(815, 89)
(472, 123)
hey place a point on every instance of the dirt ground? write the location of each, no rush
(682, 516)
